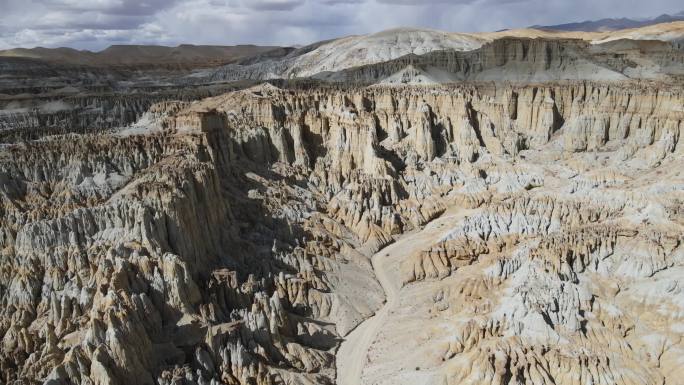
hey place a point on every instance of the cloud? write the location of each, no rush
(336, 2)
(96, 24)
(275, 5)
(425, 2)
(111, 7)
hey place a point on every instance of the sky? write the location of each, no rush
(97, 24)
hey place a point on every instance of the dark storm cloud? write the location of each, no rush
(95, 24)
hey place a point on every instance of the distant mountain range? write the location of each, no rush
(133, 55)
(612, 24)
(250, 61)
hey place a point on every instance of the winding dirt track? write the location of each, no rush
(352, 356)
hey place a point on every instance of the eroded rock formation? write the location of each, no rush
(229, 240)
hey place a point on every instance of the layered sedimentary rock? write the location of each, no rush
(514, 57)
(229, 240)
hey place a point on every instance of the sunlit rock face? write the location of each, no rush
(316, 233)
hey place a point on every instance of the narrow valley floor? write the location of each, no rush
(353, 355)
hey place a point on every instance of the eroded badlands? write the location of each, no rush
(317, 234)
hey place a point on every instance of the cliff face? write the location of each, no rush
(361, 128)
(229, 240)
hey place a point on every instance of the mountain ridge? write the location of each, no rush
(332, 54)
(612, 24)
(136, 54)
